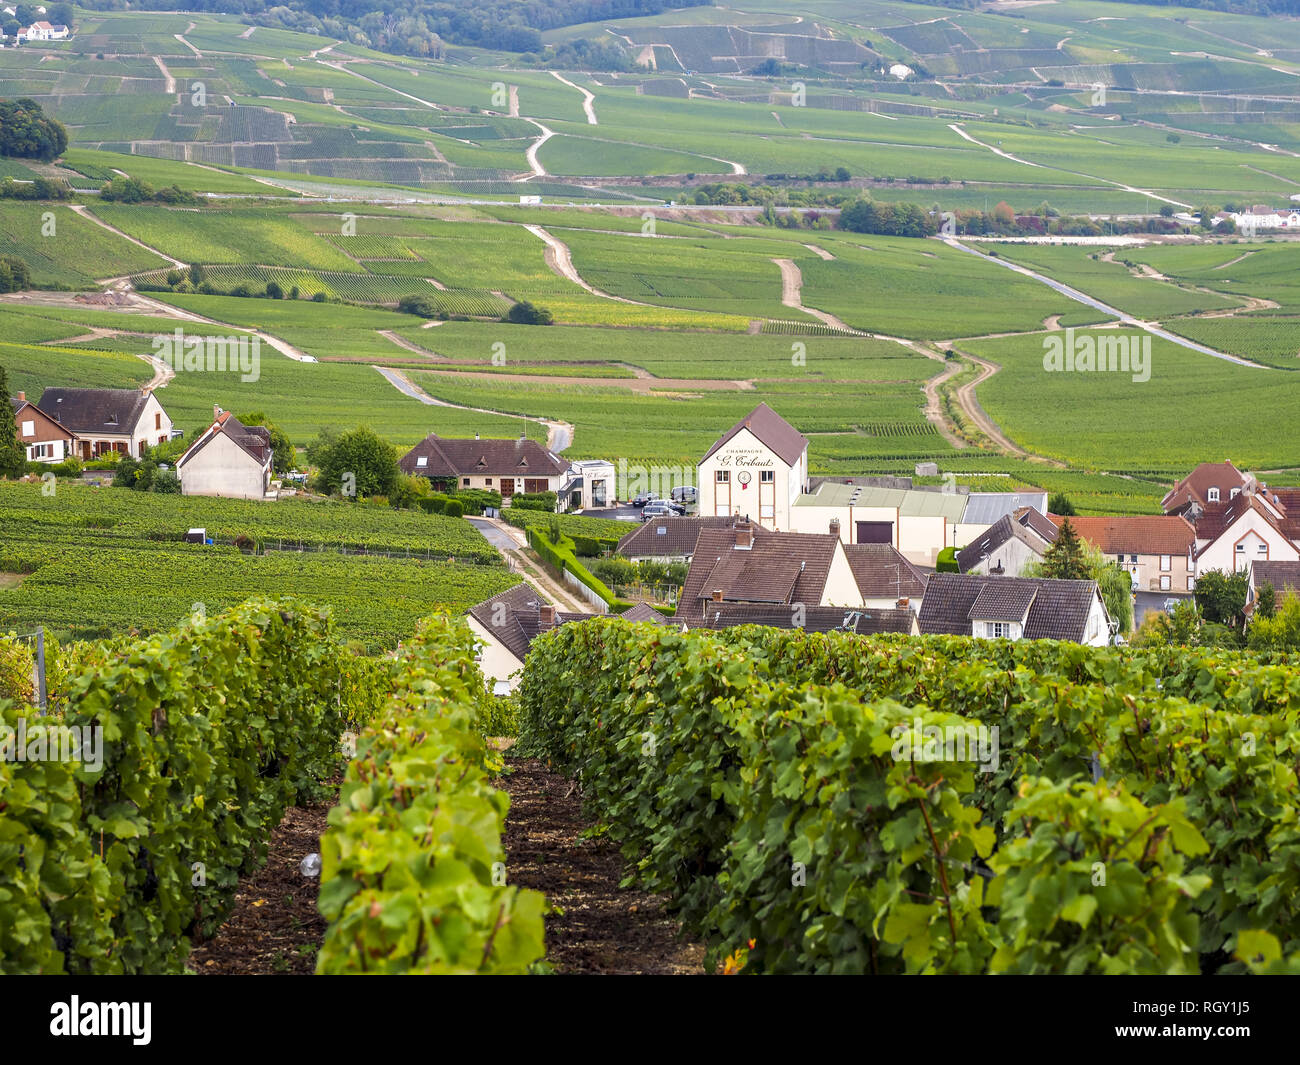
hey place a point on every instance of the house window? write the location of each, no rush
(422, 460)
(1212, 495)
(767, 477)
(1166, 562)
(1133, 559)
(42, 451)
(1191, 584)
(487, 481)
(29, 428)
(1234, 493)
(464, 482)
(1241, 548)
(997, 630)
(1164, 583)
(722, 476)
(157, 421)
(1262, 549)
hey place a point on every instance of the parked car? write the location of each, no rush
(657, 509)
(683, 493)
(677, 508)
(644, 498)
(1170, 604)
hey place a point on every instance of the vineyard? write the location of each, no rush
(834, 804)
(95, 563)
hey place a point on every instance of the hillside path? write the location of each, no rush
(587, 97)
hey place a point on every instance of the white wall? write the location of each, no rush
(841, 588)
(222, 468)
(1250, 530)
(744, 452)
(497, 663)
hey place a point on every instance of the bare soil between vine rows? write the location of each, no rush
(603, 929)
(274, 928)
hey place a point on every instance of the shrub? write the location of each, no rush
(454, 508)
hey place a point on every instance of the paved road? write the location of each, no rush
(493, 535)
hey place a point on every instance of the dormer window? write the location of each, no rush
(1235, 492)
(1212, 495)
(422, 460)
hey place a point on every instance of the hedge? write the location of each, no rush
(209, 733)
(543, 501)
(561, 557)
(412, 876)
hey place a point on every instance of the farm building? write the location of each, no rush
(505, 466)
(229, 459)
(42, 437)
(126, 420)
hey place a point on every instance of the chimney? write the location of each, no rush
(835, 528)
(903, 604)
(717, 595)
(22, 397)
(476, 436)
(744, 535)
(546, 615)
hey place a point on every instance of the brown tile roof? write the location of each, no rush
(451, 457)
(1287, 500)
(1059, 610)
(1283, 576)
(668, 536)
(95, 410)
(862, 620)
(773, 430)
(254, 440)
(1137, 534)
(515, 617)
(883, 573)
(780, 568)
(1002, 601)
(1196, 485)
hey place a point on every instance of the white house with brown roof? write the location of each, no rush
(884, 576)
(1210, 482)
(125, 420)
(505, 466)
(1232, 535)
(757, 469)
(505, 626)
(42, 437)
(229, 459)
(1014, 608)
(747, 565)
(1007, 546)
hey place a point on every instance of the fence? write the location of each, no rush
(37, 640)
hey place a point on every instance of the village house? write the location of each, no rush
(885, 578)
(1009, 544)
(747, 564)
(103, 420)
(229, 459)
(1159, 552)
(505, 466)
(43, 31)
(1210, 482)
(42, 437)
(1231, 536)
(1283, 577)
(668, 539)
(757, 469)
(861, 621)
(506, 625)
(1014, 608)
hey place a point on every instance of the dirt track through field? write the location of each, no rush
(587, 97)
(792, 296)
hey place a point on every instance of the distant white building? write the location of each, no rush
(589, 485)
(1260, 217)
(901, 71)
(43, 31)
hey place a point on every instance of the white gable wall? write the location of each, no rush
(223, 468)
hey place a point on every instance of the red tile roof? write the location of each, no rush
(1196, 485)
(450, 457)
(1135, 534)
(1217, 518)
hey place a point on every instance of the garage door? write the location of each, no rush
(875, 532)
